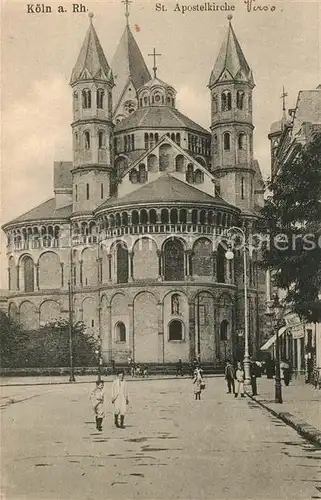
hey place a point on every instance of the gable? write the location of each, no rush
(166, 157)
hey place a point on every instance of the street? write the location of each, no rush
(172, 447)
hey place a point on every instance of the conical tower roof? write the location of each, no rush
(91, 63)
(231, 63)
(128, 64)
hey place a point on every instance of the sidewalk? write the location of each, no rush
(301, 408)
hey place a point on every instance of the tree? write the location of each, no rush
(12, 341)
(292, 216)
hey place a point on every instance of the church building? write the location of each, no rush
(138, 227)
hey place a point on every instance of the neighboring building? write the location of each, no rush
(300, 342)
(138, 215)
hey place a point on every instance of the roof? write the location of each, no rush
(92, 59)
(156, 82)
(231, 59)
(128, 63)
(269, 343)
(167, 189)
(46, 210)
(157, 117)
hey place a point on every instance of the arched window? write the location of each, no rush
(182, 216)
(164, 216)
(227, 141)
(190, 173)
(133, 176)
(120, 331)
(174, 260)
(146, 141)
(135, 217)
(28, 274)
(101, 190)
(122, 263)
(215, 103)
(86, 99)
(100, 98)
(124, 219)
(242, 188)
(152, 216)
(87, 191)
(179, 163)
(174, 216)
(87, 139)
(220, 264)
(175, 330)
(143, 217)
(76, 101)
(198, 177)
(101, 139)
(178, 139)
(223, 330)
(241, 140)
(226, 100)
(142, 173)
(240, 99)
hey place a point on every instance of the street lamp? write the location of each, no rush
(277, 312)
(230, 256)
(99, 361)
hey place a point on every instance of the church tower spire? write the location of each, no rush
(92, 83)
(130, 71)
(231, 84)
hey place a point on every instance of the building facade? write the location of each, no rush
(300, 342)
(139, 219)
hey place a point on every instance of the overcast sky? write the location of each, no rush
(40, 50)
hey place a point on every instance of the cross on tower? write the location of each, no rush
(126, 2)
(154, 54)
(283, 96)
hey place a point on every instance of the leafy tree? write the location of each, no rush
(12, 341)
(292, 216)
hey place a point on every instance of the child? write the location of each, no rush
(97, 398)
(240, 380)
(199, 382)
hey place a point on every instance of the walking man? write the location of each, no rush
(97, 399)
(240, 380)
(229, 377)
(119, 399)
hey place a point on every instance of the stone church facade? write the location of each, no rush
(139, 219)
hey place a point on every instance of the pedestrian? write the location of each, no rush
(239, 375)
(119, 399)
(229, 377)
(199, 383)
(97, 399)
(179, 368)
(253, 372)
(145, 372)
(269, 368)
(285, 368)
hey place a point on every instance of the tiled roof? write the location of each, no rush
(157, 117)
(46, 210)
(308, 109)
(165, 189)
(92, 58)
(128, 63)
(232, 59)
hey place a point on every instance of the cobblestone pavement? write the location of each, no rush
(173, 447)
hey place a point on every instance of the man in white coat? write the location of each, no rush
(119, 399)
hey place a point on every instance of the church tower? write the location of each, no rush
(92, 83)
(130, 72)
(231, 85)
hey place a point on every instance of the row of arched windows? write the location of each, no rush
(157, 98)
(86, 140)
(226, 140)
(168, 216)
(198, 144)
(223, 102)
(86, 98)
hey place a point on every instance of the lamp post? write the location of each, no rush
(230, 256)
(72, 373)
(276, 310)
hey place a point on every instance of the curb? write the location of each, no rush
(105, 379)
(306, 430)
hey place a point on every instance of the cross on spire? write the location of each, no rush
(283, 96)
(154, 55)
(127, 2)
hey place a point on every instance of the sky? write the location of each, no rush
(282, 46)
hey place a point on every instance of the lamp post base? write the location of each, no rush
(72, 378)
(278, 391)
(247, 370)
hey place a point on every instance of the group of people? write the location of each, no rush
(233, 375)
(119, 399)
(137, 370)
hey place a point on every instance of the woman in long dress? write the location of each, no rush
(119, 399)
